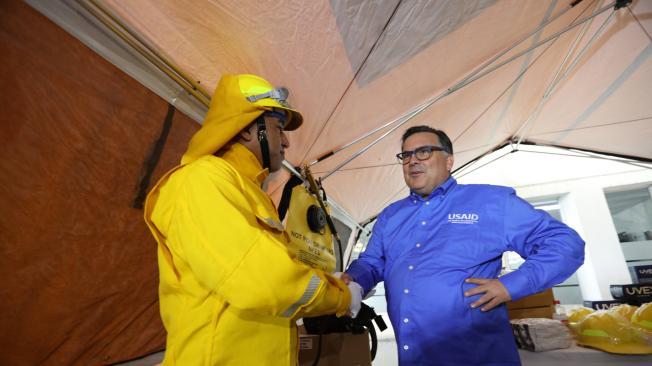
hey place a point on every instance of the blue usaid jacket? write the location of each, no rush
(424, 249)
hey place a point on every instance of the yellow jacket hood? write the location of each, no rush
(230, 111)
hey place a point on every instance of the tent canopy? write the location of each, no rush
(353, 66)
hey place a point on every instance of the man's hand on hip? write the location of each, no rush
(494, 293)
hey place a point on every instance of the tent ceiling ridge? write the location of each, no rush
(639, 24)
(593, 126)
(578, 153)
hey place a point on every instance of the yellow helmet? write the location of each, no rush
(579, 314)
(624, 310)
(611, 331)
(261, 93)
(238, 100)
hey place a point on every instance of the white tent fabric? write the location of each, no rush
(353, 66)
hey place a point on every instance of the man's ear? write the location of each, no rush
(449, 162)
(247, 134)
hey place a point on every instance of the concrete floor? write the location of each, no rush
(150, 360)
(385, 356)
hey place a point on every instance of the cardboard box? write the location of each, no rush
(538, 312)
(338, 349)
(641, 274)
(602, 304)
(633, 294)
(540, 299)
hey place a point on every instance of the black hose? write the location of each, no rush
(321, 333)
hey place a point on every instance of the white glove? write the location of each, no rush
(356, 298)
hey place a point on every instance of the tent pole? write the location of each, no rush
(473, 73)
(591, 154)
(142, 42)
(559, 70)
(554, 83)
(151, 56)
(587, 154)
(461, 85)
(538, 44)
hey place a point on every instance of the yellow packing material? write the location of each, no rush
(314, 249)
(612, 331)
(625, 311)
(578, 314)
(642, 321)
(642, 317)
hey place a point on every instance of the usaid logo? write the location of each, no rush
(463, 218)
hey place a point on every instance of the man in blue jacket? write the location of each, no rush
(439, 252)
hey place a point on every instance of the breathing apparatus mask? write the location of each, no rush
(312, 231)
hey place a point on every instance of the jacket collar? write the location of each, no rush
(246, 163)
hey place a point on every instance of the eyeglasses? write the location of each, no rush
(278, 94)
(422, 153)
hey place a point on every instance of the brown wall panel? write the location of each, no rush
(77, 261)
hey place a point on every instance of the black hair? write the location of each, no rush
(443, 138)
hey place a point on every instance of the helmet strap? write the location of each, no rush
(262, 140)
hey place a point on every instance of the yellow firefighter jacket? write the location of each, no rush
(229, 291)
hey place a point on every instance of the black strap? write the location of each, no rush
(262, 140)
(284, 204)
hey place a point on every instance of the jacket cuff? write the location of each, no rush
(345, 301)
(359, 275)
(517, 284)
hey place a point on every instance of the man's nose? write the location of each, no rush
(284, 140)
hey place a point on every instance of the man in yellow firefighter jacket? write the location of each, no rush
(229, 291)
